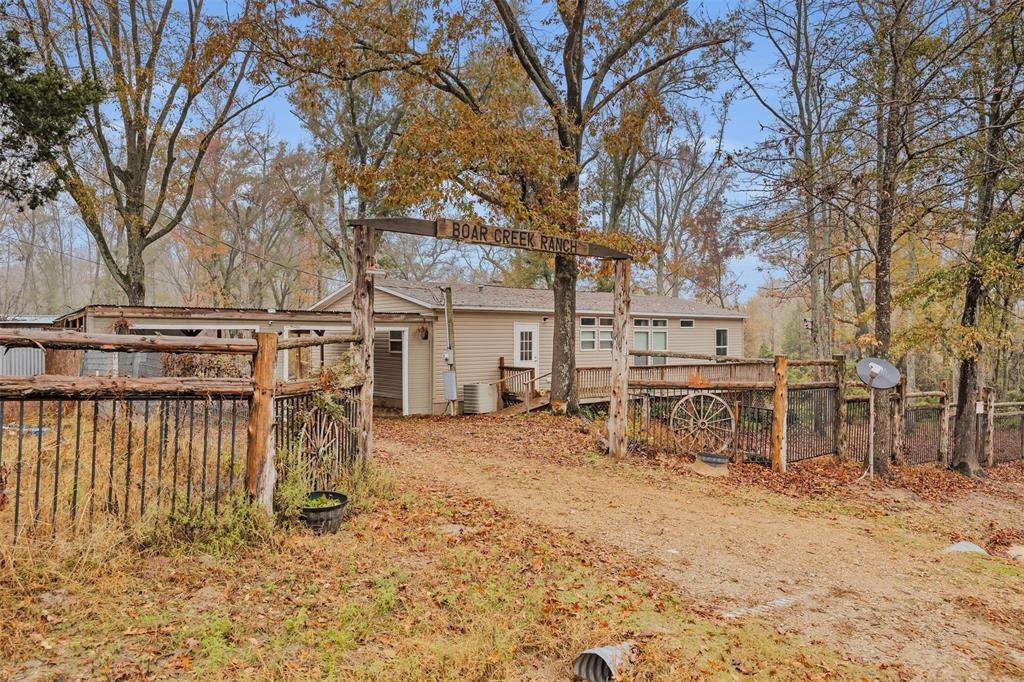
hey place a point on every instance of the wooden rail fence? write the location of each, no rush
(147, 444)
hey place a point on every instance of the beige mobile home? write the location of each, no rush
(497, 325)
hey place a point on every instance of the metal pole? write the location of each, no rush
(871, 429)
(449, 321)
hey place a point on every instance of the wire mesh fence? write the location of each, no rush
(316, 433)
(1007, 437)
(810, 423)
(64, 460)
(923, 426)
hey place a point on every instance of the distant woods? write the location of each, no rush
(861, 154)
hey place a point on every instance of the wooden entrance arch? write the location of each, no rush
(473, 232)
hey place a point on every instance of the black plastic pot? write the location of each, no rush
(325, 519)
(713, 458)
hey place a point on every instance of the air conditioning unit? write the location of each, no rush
(479, 398)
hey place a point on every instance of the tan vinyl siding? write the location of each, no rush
(482, 337)
(697, 339)
(383, 302)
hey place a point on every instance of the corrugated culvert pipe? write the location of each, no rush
(603, 663)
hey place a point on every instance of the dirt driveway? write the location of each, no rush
(860, 577)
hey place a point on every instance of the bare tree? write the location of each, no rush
(175, 77)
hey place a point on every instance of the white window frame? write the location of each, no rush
(724, 348)
(646, 326)
(598, 329)
(392, 340)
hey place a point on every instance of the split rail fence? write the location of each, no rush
(821, 415)
(75, 450)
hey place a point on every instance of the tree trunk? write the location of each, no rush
(563, 358)
(965, 452)
(135, 274)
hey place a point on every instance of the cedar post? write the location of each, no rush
(620, 361)
(899, 423)
(944, 427)
(990, 425)
(840, 428)
(260, 475)
(362, 324)
(780, 404)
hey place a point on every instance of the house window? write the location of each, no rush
(649, 339)
(395, 341)
(599, 337)
(688, 324)
(721, 342)
(526, 346)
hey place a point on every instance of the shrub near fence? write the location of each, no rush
(72, 448)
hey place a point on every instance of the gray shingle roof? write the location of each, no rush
(492, 297)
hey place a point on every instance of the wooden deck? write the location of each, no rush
(593, 384)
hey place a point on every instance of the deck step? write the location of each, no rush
(521, 408)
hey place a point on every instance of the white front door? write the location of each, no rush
(526, 351)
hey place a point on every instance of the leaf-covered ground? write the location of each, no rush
(423, 585)
(854, 565)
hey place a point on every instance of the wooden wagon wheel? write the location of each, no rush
(320, 440)
(702, 422)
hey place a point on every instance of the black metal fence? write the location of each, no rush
(64, 461)
(810, 423)
(316, 431)
(651, 425)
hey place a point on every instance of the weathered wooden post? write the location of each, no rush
(944, 443)
(990, 425)
(899, 423)
(260, 474)
(780, 404)
(362, 324)
(620, 361)
(840, 427)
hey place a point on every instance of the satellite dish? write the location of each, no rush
(878, 373)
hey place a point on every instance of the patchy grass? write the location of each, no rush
(420, 585)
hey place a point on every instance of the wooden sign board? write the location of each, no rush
(475, 233)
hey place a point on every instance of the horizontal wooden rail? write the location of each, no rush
(70, 387)
(700, 385)
(812, 384)
(698, 356)
(705, 385)
(300, 387)
(124, 343)
(811, 363)
(308, 341)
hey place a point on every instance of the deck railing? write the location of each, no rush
(595, 382)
